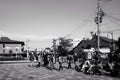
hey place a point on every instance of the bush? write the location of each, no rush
(11, 58)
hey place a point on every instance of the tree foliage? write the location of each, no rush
(65, 45)
(118, 43)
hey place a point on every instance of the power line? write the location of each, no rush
(105, 2)
(82, 23)
(112, 17)
(112, 21)
(111, 31)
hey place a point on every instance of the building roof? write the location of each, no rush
(6, 40)
(107, 39)
(86, 44)
(104, 39)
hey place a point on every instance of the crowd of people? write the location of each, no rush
(87, 66)
(48, 60)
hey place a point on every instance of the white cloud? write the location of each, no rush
(25, 37)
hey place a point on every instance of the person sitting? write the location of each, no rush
(86, 66)
(31, 58)
(96, 68)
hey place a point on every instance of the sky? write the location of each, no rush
(39, 21)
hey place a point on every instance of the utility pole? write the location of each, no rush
(54, 48)
(98, 21)
(112, 42)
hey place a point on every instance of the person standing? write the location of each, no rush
(69, 59)
(60, 63)
(45, 58)
(31, 58)
(36, 55)
(39, 60)
(51, 62)
(75, 59)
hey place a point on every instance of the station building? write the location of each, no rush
(8, 46)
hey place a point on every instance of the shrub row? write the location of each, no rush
(10, 58)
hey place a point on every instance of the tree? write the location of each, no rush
(65, 45)
(118, 44)
(116, 60)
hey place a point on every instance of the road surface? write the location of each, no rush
(21, 71)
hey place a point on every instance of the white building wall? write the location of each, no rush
(16, 48)
(1, 48)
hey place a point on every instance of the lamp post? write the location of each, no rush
(27, 48)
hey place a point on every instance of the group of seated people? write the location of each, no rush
(99, 67)
(91, 66)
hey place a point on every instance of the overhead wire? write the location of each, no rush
(113, 20)
(105, 3)
(117, 19)
(82, 23)
(110, 19)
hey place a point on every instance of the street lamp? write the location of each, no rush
(27, 48)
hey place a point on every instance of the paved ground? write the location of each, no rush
(21, 71)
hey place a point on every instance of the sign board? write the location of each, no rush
(89, 50)
(105, 50)
(102, 50)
